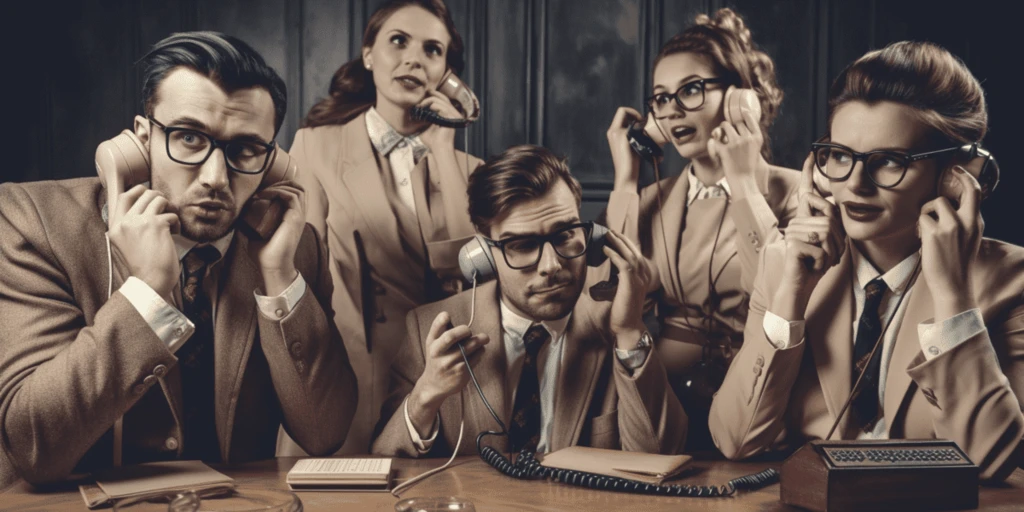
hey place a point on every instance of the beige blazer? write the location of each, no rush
(682, 252)
(597, 402)
(779, 399)
(374, 284)
(72, 361)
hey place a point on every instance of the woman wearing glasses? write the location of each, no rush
(915, 305)
(703, 229)
(386, 190)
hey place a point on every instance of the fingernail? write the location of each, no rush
(959, 169)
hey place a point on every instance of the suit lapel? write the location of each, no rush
(491, 369)
(829, 333)
(233, 333)
(907, 347)
(673, 214)
(360, 173)
(583, 355)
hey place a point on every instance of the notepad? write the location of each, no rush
(646, 467)
(153, 479)
(340, 474)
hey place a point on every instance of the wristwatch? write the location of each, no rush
(646, 341)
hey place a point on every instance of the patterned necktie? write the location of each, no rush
(524, 431)
(195, 359)
(869, 328)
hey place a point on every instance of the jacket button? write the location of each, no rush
(757, 370)
(139, 389)
(296, 349)
(279, 312)
(171, 443)
(760, 360)
(160, 370)
(149, 380)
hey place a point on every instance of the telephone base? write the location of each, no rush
(905, 474)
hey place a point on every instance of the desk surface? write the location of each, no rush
(491, 491)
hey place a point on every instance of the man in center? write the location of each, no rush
(558, 368)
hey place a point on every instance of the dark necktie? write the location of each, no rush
(524, 431)
(869, 328)
(195, 358)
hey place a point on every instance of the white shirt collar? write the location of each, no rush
(697, 187)
(385, 138)
(896, 279)
(184, 245)
(517, 325)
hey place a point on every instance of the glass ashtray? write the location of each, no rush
(435, 504)
(237, 499)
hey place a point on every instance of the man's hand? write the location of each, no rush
(444, 372)
(276, 257)
(626, 319)
(140, 225)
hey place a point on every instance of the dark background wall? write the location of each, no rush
(550, 72)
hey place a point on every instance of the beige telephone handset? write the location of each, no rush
(736, 101)
(462, 97)
(123, 162)
(976, 160)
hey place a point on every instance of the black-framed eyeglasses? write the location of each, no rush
(524, 251)
(884, 168)
(690, 96)
(193, 147)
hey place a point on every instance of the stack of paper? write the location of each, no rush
(340, 474)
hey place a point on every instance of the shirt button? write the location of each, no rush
(171, 443)
(757, 370)
(149, 380)
(760, 360)
(279, 312)
(160, 370)
(933, 350)
(404, 182)
(401, 144)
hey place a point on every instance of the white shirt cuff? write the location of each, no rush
(946, 335)
(782, 333)
(422, 445)
(170, 325)
(280, 306)
(632, 359)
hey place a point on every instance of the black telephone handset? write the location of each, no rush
(124, 162)
(477, 262)
(460, 95)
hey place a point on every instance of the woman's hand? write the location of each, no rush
(438, 138)
(950, 240)
(624, 159)
(738, 150)
(815, 242)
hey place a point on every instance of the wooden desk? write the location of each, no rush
(492, 491)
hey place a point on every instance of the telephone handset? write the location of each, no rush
(124, 160)
(736, 101)
(643, 144)
(462, 97)
(477, 262)
(980, 163)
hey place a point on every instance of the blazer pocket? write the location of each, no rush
(604, 430)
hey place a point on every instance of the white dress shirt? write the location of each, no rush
(698, 190)
(171, 325)
(549, 363)
(403, 153)
(934, 339)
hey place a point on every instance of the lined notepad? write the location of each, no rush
(340, 474)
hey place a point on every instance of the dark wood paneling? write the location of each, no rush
(504, 115)
(592, 68)
(326, 45)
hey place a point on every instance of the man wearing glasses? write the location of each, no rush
(557, 368)
(138, 324)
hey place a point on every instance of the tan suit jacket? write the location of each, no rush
(749, 225)
(72, 361)
(597, 402)
(374, 284)
(779, 399)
